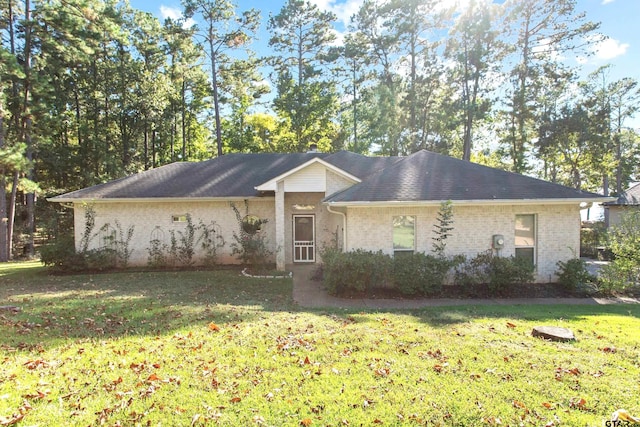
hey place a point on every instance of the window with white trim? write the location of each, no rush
(404, 234)
(525, 237)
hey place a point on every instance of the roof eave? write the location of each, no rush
(153, 199)
(408, 203)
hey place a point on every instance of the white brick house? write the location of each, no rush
(373, 203)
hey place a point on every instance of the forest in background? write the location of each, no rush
(93, 90)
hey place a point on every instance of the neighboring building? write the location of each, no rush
(373, 203)
(629, 200)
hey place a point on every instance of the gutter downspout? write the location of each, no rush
(344, 226)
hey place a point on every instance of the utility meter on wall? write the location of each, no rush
(498, 241)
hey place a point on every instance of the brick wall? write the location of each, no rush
(147, 216)
(558, 231)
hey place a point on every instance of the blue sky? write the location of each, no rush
(619, 23)
(619, 19)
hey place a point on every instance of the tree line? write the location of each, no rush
(93, 90)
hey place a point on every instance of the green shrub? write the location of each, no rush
(497, 272)
(101, 259)
(356, 271)
(573, 274)
(419, 273)
(623, 273)
(60, 255)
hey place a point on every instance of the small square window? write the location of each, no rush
(179, 218)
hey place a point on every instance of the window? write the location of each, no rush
(404, 233)
(525, 237)
(179, 218)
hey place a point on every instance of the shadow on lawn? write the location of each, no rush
(444, 316)
(56, 308)
(102, 306)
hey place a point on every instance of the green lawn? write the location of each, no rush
(212, 348)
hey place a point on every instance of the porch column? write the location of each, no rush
(280, 261)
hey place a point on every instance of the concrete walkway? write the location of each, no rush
(310, 294)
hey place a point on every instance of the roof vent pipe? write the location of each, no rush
(313, 148)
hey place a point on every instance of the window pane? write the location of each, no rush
(525, 230)
(526, 253)
(404, 231)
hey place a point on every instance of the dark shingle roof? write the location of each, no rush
(427, 176)
(423, 176)
(631, 197)
(232, 175)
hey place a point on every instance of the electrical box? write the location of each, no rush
(498, 241)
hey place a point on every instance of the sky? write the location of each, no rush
(618, 20)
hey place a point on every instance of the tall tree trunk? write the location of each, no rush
(31, 197)
(184, 120)
(4, 247)
(214, 87)
(11, 217)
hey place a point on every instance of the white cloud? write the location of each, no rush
(343, 10)
(609, 49)
(607, 1)
(175, 14)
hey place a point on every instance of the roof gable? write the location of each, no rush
(307, 168)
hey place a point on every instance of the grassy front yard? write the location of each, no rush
(207, 348)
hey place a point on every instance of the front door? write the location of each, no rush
(304, 248)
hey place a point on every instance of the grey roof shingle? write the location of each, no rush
(427, 176)
(423, 176)
(631, 197)
(232, 175)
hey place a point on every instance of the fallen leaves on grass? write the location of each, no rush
(579, 403)
(17, 417)
(213, 327)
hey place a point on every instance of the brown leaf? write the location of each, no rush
(518, 404)
(547, 405)
(609, 349)
(37, 395)
(578, 404)
(235, 400)
(510, 325)
(306, 422)
(9, 421)
(153, 377)
(307, 361)
(213, 327)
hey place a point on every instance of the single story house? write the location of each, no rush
(614, 210)
(372, 203)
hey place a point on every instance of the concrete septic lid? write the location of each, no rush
(553, 333)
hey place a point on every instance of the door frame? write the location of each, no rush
(303, 247)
